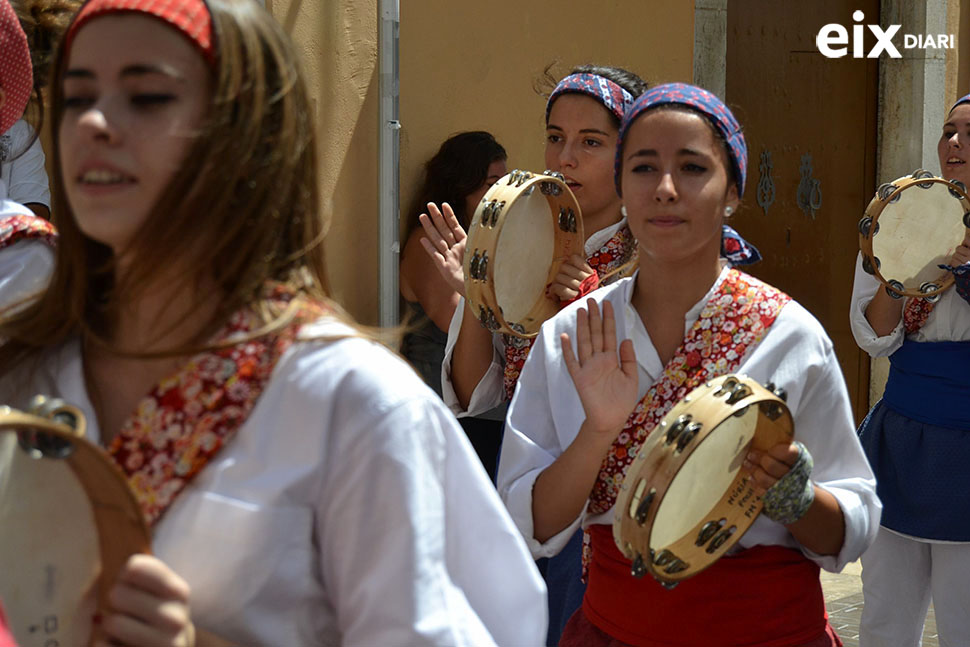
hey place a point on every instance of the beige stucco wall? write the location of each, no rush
(338, 40)
(471, 65)
(463, 66)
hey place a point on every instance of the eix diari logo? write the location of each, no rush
(833, 35)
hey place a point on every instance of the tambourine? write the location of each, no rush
(524, 226)
(685, 499)
(910, 228)
(68, 523)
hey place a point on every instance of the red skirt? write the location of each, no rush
(766, 596)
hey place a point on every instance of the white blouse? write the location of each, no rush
(349, 509)
(25, 268)
(546, 414)
(948, 321)
(490, 390)
(22, 165)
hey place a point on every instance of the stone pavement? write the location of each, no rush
(843, 599)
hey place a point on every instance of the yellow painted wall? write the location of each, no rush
(471, 65)
(463, 66)
(338, 40)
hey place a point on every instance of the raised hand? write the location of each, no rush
(571, 275)
(607, 384)
(150, 606)
(444, 241)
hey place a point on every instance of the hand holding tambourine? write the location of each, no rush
(74, 547)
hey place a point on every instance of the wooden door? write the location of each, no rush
(815, 118)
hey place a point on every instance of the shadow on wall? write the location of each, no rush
(337, 40)
(352, 241)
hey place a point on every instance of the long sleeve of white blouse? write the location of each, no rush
(348, 509)
(545, 416)
(490, 390)
(949, 320)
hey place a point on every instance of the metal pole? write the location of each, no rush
(389, 152)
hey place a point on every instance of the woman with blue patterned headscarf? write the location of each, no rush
(585, 404)
(917, 439)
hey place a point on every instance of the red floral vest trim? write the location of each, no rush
(732, 322)
(619, 249)
(23, 227)
(915, 313)
(188, 417)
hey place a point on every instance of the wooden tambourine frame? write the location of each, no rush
(491, 265)
(915, 246)
(711, 430)
(54, 431)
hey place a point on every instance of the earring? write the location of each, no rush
(623, 210)
(728, 211)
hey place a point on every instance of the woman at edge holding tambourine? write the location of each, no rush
(686, 316)
(302, 485)
(917, 439)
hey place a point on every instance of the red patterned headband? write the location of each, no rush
(16, 74)
(191, 17)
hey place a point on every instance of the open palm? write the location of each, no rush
(606, 383)
(444, 242)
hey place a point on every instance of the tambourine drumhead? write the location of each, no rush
(69, 522)
(524, 226)
(910, 228)
(525, 244)
(685, 499)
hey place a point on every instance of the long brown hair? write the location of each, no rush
(243, 208)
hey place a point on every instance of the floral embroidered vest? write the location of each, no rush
(188, 417)
(619, 249)
(915, 313)
(25, 227)
(733, 321)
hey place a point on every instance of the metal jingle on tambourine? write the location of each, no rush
(923, 174)
(894, 289)
(885, 190)
(866, 228)
(958, 189)
(931, 292)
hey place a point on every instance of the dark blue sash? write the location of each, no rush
(930, 382)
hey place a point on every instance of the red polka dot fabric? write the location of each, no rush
(191, 17)
(16, 74)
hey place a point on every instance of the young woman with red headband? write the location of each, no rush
(302, 485)
(602, 374)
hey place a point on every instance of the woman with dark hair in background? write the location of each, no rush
(457, 177)
(459, 174)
